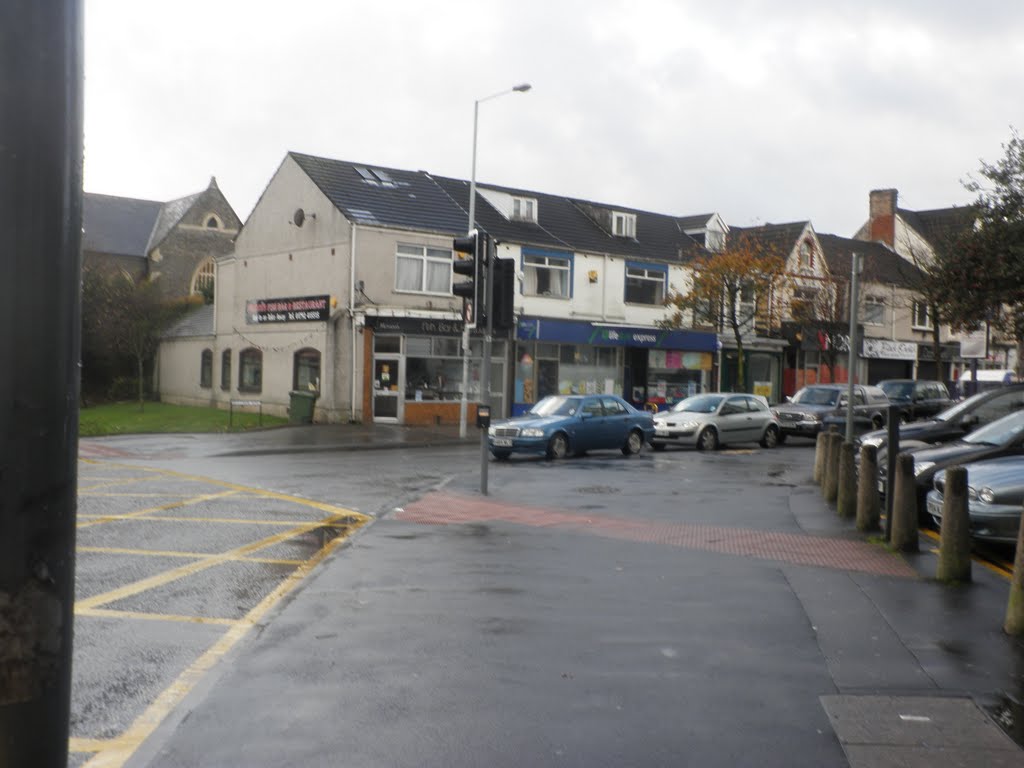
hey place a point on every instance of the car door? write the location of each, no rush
(758, 419)
(591, 430)
(733, 420)
(617, 420)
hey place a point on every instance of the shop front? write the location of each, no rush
(888, 359)
(415, 367)
(649, 367)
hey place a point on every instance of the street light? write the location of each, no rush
(521, 88)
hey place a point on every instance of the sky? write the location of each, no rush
(764, 112)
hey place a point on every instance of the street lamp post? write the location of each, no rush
(521, 88)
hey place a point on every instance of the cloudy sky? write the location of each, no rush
(766, 111)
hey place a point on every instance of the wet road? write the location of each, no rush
(666, 609)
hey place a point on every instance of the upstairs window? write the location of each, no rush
(804, 304)
(203, 280)
(874, 310)
(546, 275)
(623, 224)
(423, 269)
(806, 254)
(524, 209)
(922, 318)
(645, 284)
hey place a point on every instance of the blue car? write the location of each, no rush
(563, 425)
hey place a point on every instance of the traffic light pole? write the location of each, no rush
(485, 374)
(40, 317)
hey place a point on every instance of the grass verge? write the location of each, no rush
(128, 419)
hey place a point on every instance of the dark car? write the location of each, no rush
(957, 420)
(1004, 437)
(560, 425)
(917, 398)
(818, 406)
(995, 495)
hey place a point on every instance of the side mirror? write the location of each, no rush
(584, 415)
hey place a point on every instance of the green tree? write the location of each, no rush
(733, 290)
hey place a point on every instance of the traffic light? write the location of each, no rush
(503, 295)
(471, 261)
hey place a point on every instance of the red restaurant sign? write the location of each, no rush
(300, 309)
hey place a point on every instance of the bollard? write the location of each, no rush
(955, 538)
(846, 495)
(869, 505)
(903, 536)
(1015, 606)
(826, 461)
(819, 456)
(832, 469)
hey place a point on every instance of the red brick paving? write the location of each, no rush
(444, 508)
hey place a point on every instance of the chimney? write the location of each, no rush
(882, 213)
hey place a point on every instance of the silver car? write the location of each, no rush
(714, 419)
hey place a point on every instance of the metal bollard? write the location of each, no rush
(869, 505)
(955, 538)
(820, 447)
(846, 495)
(832, 469)
(903, 535)
(1014, 624)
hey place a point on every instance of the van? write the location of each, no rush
(989, 378)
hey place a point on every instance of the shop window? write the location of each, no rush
(250, 370)
(306, 370)
(422, 269)
(206, 369)
(387, 344)
(645, 284)
(546, 275)
(225, 369)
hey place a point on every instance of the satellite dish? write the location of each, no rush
(299, 217)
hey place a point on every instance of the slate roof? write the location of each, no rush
(780, 237)
(198, 322)
(881, 263)
(940, 225)
(118, 225)
(170, 214)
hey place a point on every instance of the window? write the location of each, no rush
(804, 303)
(874, 310)
(225, 369)
(546, 275)
(623, 224)
(206, 369)
(645, 284)
(922, 318)
(524, 209)
(212, 221)
(423, 269)
(250, 370)
(806, 254)
(306, 370)
(203, 280)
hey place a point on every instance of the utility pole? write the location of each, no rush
(40, 322)
(855, 268)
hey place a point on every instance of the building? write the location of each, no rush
(340, 282)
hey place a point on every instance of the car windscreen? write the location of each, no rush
(897, 390)
(556, 405)
(1000, 432)
(816, 396)
(698, 404)
(956, 411)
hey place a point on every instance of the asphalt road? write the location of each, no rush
(676, 608)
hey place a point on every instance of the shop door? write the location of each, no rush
(388, 401)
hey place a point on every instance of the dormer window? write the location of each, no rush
(524, 209)
(623, 224)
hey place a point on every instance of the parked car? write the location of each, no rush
(710, 420)
(957, 420)
(917, 398)
(560, 425)
(819, 406)
(995, 494)
(1004, 437)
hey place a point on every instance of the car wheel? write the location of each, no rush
(658, 446)
(707, 440)
(634, 443)
(501, 455)
(770, 438)
(558, 446)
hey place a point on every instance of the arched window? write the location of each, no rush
(203, 279)
(306, 370)
(225, 369)
(250, 370)
(206, 369)
(212, 221)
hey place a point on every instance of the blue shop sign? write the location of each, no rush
(569, 332)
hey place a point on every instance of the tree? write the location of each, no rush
(822, 311)
(984, 273)
(733, 291)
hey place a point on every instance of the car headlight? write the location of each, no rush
(492, 431)
(987, 495)
(689, 425)
(873, 441)
(532, 432)
(812, 417)
(923, 466)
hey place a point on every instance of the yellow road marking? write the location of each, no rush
(98, 520)
(112, 483)
(109, 613)
(990, 565)
(150, 518)
(114, 754)
(88, 745)
(188, 555)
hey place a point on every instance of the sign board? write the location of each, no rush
(887, 349)
(298, 309)
(974, 344)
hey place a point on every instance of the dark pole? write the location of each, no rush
(40, 279)
(892, 451)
